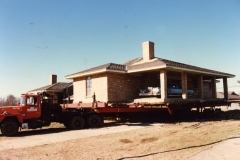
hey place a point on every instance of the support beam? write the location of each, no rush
(163, 84)
(184, 85)
(213, 83)
(200, 86)
(225, 88)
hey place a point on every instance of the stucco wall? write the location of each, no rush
(99, 86)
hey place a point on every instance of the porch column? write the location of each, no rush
(200, 86)
(214, 92)
(225, 88)
(163, 84)
(184, 85)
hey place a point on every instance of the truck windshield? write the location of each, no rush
(22, 101)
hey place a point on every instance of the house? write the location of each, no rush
(231, 95)
(113, 82)
(60, 91)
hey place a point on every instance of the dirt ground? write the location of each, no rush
(169, 138)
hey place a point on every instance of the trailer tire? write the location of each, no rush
(67, 125)
(94, 120)
(77, 122)
(9, 128)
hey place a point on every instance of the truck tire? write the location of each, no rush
(9, 128)
(77, 122)
(94, 120)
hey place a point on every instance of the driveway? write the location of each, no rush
(227, 150)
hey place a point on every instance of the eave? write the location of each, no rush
(93, 73)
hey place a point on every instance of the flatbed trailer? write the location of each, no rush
(35, 112)
(170, 105)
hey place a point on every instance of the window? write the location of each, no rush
(30, 101)
(89, 86)
(22, 101)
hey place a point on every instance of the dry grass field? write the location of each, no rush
(174, 138)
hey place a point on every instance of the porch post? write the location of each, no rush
(184, 85)
(163, 84)
(214, 92)
(200, 84)
(225, 88)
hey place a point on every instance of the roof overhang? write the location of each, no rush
(77, 75)
(146, 69)
(37, 91)
(203, 72)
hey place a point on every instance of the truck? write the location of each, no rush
(38, 110)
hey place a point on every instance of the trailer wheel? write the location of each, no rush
(94, 120)
(77, 122)
(67, 125)
(9, 128)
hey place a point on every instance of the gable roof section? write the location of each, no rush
(109, 67)
(164, 63)
(231, 95)
(56, 87)
(138, 65)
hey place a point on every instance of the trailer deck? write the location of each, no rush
(151, 104)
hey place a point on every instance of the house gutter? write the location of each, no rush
(91, 73)
(183, 69)
(191, 70)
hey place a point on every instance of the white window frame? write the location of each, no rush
(89, 87)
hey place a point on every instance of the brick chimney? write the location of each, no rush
(53, 78)
(148, 50)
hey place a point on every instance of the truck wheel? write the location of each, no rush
(77, 122)
(94, 120)
(9, 128)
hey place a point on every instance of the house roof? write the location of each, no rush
(56, 87)
(110, 67)
(231, 95)
(158, 63)
(138, 65)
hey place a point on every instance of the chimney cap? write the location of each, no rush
(148, 42)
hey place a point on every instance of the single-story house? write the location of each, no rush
(60, 91)
(113, 82)
(231, 95)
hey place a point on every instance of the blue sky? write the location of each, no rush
(42, 37)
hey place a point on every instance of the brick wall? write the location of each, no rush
(122, 87)
(207, 91)
(112, 87)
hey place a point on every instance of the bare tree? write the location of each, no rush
(11, 100)
(2, 101)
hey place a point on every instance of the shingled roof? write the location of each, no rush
(135, 65)
(110, 67)
(56, 87)
(164, 63)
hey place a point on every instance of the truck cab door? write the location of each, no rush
(32, 108)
